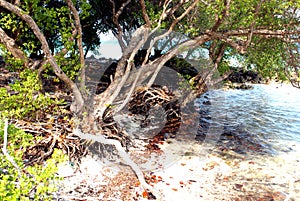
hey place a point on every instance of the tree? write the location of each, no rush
(228, 27)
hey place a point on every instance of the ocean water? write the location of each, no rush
(269, 114)
(260, 128)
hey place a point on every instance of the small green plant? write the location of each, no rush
(183, 83)
(24, 97)
(35, 182)
(13, 64)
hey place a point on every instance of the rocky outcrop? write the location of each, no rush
(243, 76)
(230, 85)
(239, 79)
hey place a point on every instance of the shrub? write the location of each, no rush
(24, 98)
(36, 182)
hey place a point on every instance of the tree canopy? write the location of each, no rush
(237, 25)
(54, 37)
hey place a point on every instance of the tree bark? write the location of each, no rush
(12, 46)
(122, 72)
(79, 42)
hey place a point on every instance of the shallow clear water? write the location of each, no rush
(262, 128)
(269, 113)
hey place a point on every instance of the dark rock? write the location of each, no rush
(206, 102)
(243, 76)
(244, 86)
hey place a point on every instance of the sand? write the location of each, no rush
(186, 171)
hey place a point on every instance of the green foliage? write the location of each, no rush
(70, 65)
(181, 66)
(224, 67)
(154, 13)
(35, 182)
(55, 20)
(266, 56)
(183, 83)
(13, 64)
(24, 99)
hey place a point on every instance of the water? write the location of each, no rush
(269, 114)
(259, 130)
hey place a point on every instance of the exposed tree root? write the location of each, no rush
(122, 153)
(60, 133)
(54, 136)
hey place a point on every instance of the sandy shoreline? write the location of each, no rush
(190, 175)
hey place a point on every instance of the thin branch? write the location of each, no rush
(64, 50)
(212, 47)
(161, 18)
(292, 57)
(263, 32)
(164, 13)
(205, 3)
(238, 45)
(216, 62)
(116, 22)
(181, 47)
(122, 8)
(184, 14)
(221, 19)
(220, 54)
(249, 38)
(169, 30)
(79, 41)
(220, 79)
(130, 91)
(144, 12)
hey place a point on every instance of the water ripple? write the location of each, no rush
(270, 113)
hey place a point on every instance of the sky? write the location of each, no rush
(109, 47)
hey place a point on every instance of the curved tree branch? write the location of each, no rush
(79, 42)
(37, 32)
(123, 70)
(169, 30)
(12, 46)
(78, 28)
(116, 22)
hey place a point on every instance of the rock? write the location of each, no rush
(244, 86)
(242, 76)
